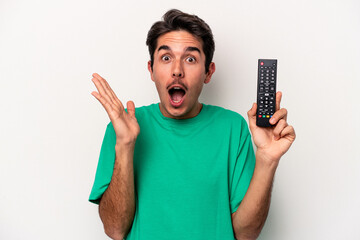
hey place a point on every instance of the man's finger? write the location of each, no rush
(95, 75)
(280, 114)
(101, 89)
(108, 89)
(131, 108)
(252, 115)
(252, 112)
(278, 100)
(103, 101)
(282, 124)
(104, 85)
(105, 89)
(115, 98)
(289, 131)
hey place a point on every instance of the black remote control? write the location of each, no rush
(266, 91)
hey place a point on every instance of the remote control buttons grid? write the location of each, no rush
(266, 90)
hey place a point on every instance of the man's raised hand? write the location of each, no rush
(125, 124)
(272, 142)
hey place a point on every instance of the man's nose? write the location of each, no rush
(178, 70)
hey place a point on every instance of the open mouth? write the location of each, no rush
(176, 95)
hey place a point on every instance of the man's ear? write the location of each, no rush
(210, 72)
(150, 70)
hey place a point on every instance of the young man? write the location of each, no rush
(190, 173)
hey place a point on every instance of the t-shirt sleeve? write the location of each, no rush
(105, 166)
(243, 170)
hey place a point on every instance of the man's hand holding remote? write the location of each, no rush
(273, 142)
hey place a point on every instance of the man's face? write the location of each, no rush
(179, 74)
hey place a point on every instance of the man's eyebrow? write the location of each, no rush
(191, 49)
(188, 49)
(164, 47)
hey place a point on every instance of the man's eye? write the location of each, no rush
(191, 59)
(165, 58)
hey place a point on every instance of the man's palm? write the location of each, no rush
(125, 124)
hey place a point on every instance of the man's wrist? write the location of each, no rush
(264, 170)
(265, 161)
(124, 148)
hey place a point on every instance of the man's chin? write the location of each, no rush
(181, 112)
(172, 112)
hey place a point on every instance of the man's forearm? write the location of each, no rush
(250, 216)
(117, 205)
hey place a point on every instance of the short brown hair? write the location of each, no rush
(175, 20)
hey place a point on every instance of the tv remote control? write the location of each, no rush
(266, 91)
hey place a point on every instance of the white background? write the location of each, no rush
(52, 128)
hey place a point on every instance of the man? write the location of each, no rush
(190, 173)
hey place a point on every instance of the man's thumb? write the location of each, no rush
(131, 108)
(252, 112)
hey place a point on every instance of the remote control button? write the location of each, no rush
(267, 116)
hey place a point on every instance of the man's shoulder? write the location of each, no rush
(227, 119)
(224, 113)
(145, 111)
(149, 107)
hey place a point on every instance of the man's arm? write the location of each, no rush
(249, 218)
(271, 143)
(117, 205)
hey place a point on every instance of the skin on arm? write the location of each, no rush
(117, 205)
(271, 144)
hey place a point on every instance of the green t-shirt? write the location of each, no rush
(190, 174)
